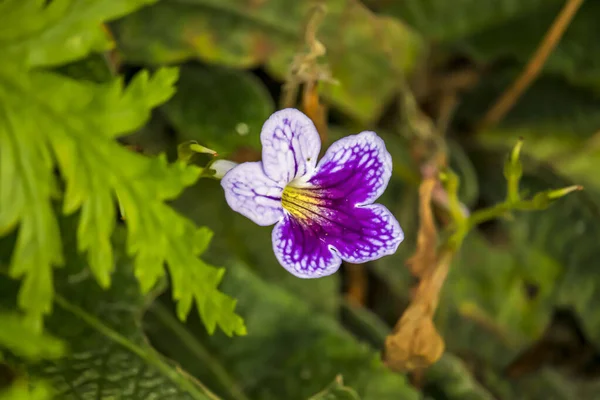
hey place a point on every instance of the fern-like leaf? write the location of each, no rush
(50, 121)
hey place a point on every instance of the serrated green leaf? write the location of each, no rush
(230, 33)
(228, 114)
(36, 33)
(23, 340)
(74, 129)
(73, 125)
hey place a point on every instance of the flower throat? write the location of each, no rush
(301, 203)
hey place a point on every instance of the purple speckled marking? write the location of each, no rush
(301, 250)
(353, 234)
(357, 168)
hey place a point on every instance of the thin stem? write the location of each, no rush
(508, 99)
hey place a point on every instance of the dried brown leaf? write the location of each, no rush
(424, 256)
(415, 342)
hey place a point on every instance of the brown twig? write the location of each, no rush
(508, 99)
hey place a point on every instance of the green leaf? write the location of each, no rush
(96, 68)
(230, 33)
(24, 390)
(228, 114)
(575, 58)
(22, 340)
(442, 20)
(291, 351)
(74, 129)
(73, 125)
(556, 120)
(493, 30)
(36, 33)
(108, 353)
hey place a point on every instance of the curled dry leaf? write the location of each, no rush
(415, 342)
(427, 236)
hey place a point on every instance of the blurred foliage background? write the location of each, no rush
(518, 311)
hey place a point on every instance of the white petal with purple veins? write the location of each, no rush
(253, 194)
(291, 145)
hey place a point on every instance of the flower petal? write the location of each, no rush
(356, 168)
(362, 234)
(253, 194)
(291, 145)
(300, 249)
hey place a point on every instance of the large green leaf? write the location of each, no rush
(37, 33)
(108, 355)
(236, 34)
(74, 129)
(556, 120)
(221, 108)
(291, 351)
(509, 29)
(575, 57)
(444, 21)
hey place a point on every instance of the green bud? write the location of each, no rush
(543, 200)
(186, 150)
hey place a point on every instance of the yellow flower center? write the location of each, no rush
(301, 203)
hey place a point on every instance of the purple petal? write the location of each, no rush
(291, 145)
(356, 168)
(253, 194)
(362, 234)
(300, 248)
(356, 233)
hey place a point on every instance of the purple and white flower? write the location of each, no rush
(323, 213)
